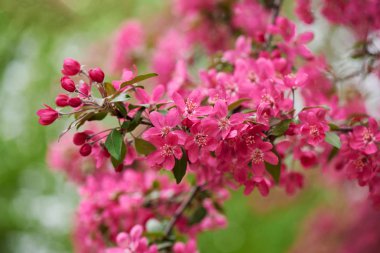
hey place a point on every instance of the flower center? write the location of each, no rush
(314, 132)
(190, 106)
(250, 140)
(367, 136)
(167, 150)
(266, 98)
(257, 156)
(359, 164)
(201, 139)
(223, 123)
(165, 130)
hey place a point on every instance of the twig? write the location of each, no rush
(276, 7)
(180, 210)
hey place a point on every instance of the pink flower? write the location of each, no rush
(47, 116)
(262, 183)
(202, 139)
(313, 125)
(167, 150)
(144, 98)
(126, 76)
(295, 81)
(163, 125)
(221, 121)
(303, 11)
(189, 247)
(365, 138)
(292, 181)
(260, 153)
(190, 107)
(70, 67)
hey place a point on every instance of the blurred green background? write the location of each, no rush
(37, 206)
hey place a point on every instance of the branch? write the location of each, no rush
(180, 210)
(276, 7)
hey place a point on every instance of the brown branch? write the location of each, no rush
(276, 7)
(169, 228)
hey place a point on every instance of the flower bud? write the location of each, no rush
(67, 84)
(85, 150)
(75, 102)
(47, 116)
(80, 138)
(62, 100)
(70, 67)
(96, 74)
(119, 168)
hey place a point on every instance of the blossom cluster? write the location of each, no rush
(235, 124)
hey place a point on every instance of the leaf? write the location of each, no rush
(110, 89)
(333, 139)
(116, 162)
(281, 127)
(131, 125)
(121, 108)
(114, 144)
(274, 170)
(333, 153)
(138, 79)
(144, 147)
(199, 214)
(317, 106)
(121, 98)
(98, 116)
(333, 127)
(180, 166)
(237, 103)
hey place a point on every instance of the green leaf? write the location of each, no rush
(98, 116)
(199, 214)
(274, 170)
(131, 125)
(144, 147)
(121, 98)
(110, 89)
(117, 162)
(333, 127)
(333, 153)
(281, 127)
(121, 108)
(114, 144)
(180, 166)
(138, 79)
(237, 103)
(333, 139)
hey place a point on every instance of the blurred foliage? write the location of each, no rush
(37, 206)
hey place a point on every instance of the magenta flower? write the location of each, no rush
(262, 183)
(260, 153)
(190, 107)
(313, 125)
(365, 138)
(202, 139)
(47, 116)
(144, 98)
(167, 150)
(163, 125)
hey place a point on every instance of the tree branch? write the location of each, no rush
(180, 210)
(276, 7)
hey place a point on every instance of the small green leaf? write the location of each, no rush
(131, 125)
(281, 127)
(274, 170)
(199, 214)
(117, 162)
(121, 98)
(180, 166)
(237, 103)
(98, 116)
(144, 147)
(110, 89)
(121, 108)
(138, 79)
(333, 139)
(114, 144)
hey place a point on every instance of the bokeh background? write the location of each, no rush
(36, 205)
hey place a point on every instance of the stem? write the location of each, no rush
(181, 209)
(276, 7)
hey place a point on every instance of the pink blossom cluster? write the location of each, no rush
(234, 124)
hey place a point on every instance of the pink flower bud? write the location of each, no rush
(96, 74)
(75, 102)
(47, 116)
(85, 150)
(67, 84)
(80, 138)
(70, 67)
(62, 100)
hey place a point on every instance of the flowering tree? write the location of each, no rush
(265, 108)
